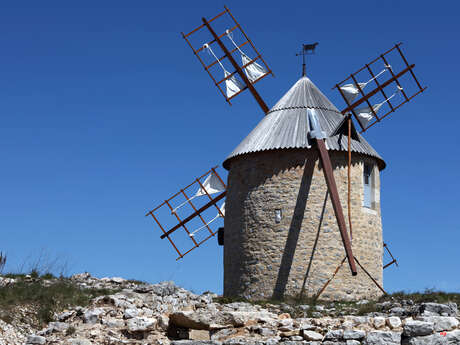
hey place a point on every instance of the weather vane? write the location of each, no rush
(307, 49)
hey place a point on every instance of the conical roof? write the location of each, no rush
(285, 126)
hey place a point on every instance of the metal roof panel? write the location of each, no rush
(285, 126)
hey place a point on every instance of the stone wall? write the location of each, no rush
(264, 259)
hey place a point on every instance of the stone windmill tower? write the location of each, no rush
(284, 227)
(281, 235)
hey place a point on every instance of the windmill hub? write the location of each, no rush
(281, 237)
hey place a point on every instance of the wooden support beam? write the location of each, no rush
(373, 280)
(331, 185)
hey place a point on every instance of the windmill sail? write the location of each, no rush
(350, 91)
(365, 115)
(232, 85)
(211, 185)
(253, 71)
(219, 214)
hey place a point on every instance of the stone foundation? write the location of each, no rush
(265, 259)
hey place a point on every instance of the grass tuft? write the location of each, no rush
(45, 300)
(429, 295)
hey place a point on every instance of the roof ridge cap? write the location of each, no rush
(303, 107)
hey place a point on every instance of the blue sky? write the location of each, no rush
(105, 112)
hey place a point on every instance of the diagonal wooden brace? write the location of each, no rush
(331, 185)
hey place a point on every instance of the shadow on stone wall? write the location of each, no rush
(294, 231)
(302, 290)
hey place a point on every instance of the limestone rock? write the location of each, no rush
(203, 320)
(353, 334)
(223, 334)
(398, 311)
(449, 338)
(163, 322)
(353, 342)
(379, 322)
(77, 341)
(130, 313)
(190, 319)
(334, 335)
(414, 328)
(140, 324)
(195, 342)
(92, 315)
(311, 335)
(429, 309)
(292, 333)
(36, 339)
(113, 323)
(383, 338)
(195, 334)
(117, 280)
(65, 315)
(441, 323)
(58, 326)
(394, 322)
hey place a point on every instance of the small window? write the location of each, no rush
(367, 179)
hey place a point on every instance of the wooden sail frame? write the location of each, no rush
(227, 54)
(182, 223)
(379, 89)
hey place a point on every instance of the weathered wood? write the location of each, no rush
(331, 185)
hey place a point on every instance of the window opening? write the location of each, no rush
(367, 186)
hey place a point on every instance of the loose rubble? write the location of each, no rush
(165, 314)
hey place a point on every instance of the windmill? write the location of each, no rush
(284, 221)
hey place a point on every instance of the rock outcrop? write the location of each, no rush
(165, 314)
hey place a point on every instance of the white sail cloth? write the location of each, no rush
(211, 185)
(351, 91)
(253, 71)
(219, 214)
(365, 115)
(232, 84)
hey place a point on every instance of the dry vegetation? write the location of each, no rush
(42, 296)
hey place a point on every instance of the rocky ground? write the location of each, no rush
(166, 314)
